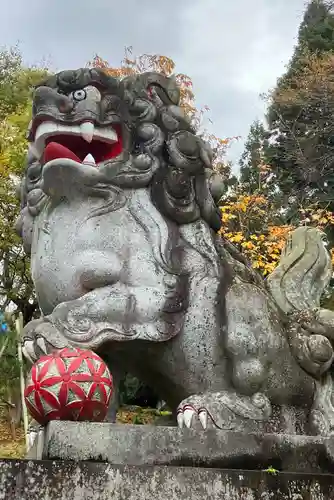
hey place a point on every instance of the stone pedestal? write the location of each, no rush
(60, 480)
(142, 445)
(108, 461)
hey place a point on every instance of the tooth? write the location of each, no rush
(203, 417)
(87, 131)
(25, 354)
(41, 344)
(180, 419)
(89, 159)
(188, 416)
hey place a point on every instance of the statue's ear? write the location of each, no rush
(166, 87)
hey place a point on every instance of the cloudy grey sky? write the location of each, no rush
(233, 50)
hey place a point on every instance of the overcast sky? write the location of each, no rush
(232, 50)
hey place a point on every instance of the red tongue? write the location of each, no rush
(54, 151)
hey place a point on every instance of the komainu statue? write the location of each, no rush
(119, 214)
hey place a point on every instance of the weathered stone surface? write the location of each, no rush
(51, 480)
(120, 215)
(149, 445)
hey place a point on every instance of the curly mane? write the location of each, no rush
(304, 271)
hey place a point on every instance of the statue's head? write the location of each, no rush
(304, 270)
(104, 133)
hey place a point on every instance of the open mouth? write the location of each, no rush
(84, 143)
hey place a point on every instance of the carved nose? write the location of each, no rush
(46, 98)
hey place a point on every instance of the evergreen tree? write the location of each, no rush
(254, 172)
(316, 32)
(300, 116)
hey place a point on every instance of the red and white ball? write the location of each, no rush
(69, 384)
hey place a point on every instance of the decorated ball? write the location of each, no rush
(69, 384)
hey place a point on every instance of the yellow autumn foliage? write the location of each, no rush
(243, 223)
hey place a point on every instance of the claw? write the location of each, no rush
(28, 350)
(26, 355)
(203, 418)
(188, 416)
(180, 419)
(41, 344)
(31, 438)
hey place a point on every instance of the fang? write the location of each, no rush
(87, 131)
(90, 159)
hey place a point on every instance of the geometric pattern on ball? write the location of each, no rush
(69, 384)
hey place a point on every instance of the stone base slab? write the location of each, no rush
(144, 445)
(58, 480)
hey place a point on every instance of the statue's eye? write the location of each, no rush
(79, 95)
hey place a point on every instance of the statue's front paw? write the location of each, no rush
(224, 410)
(40, 337)
(192, 415)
